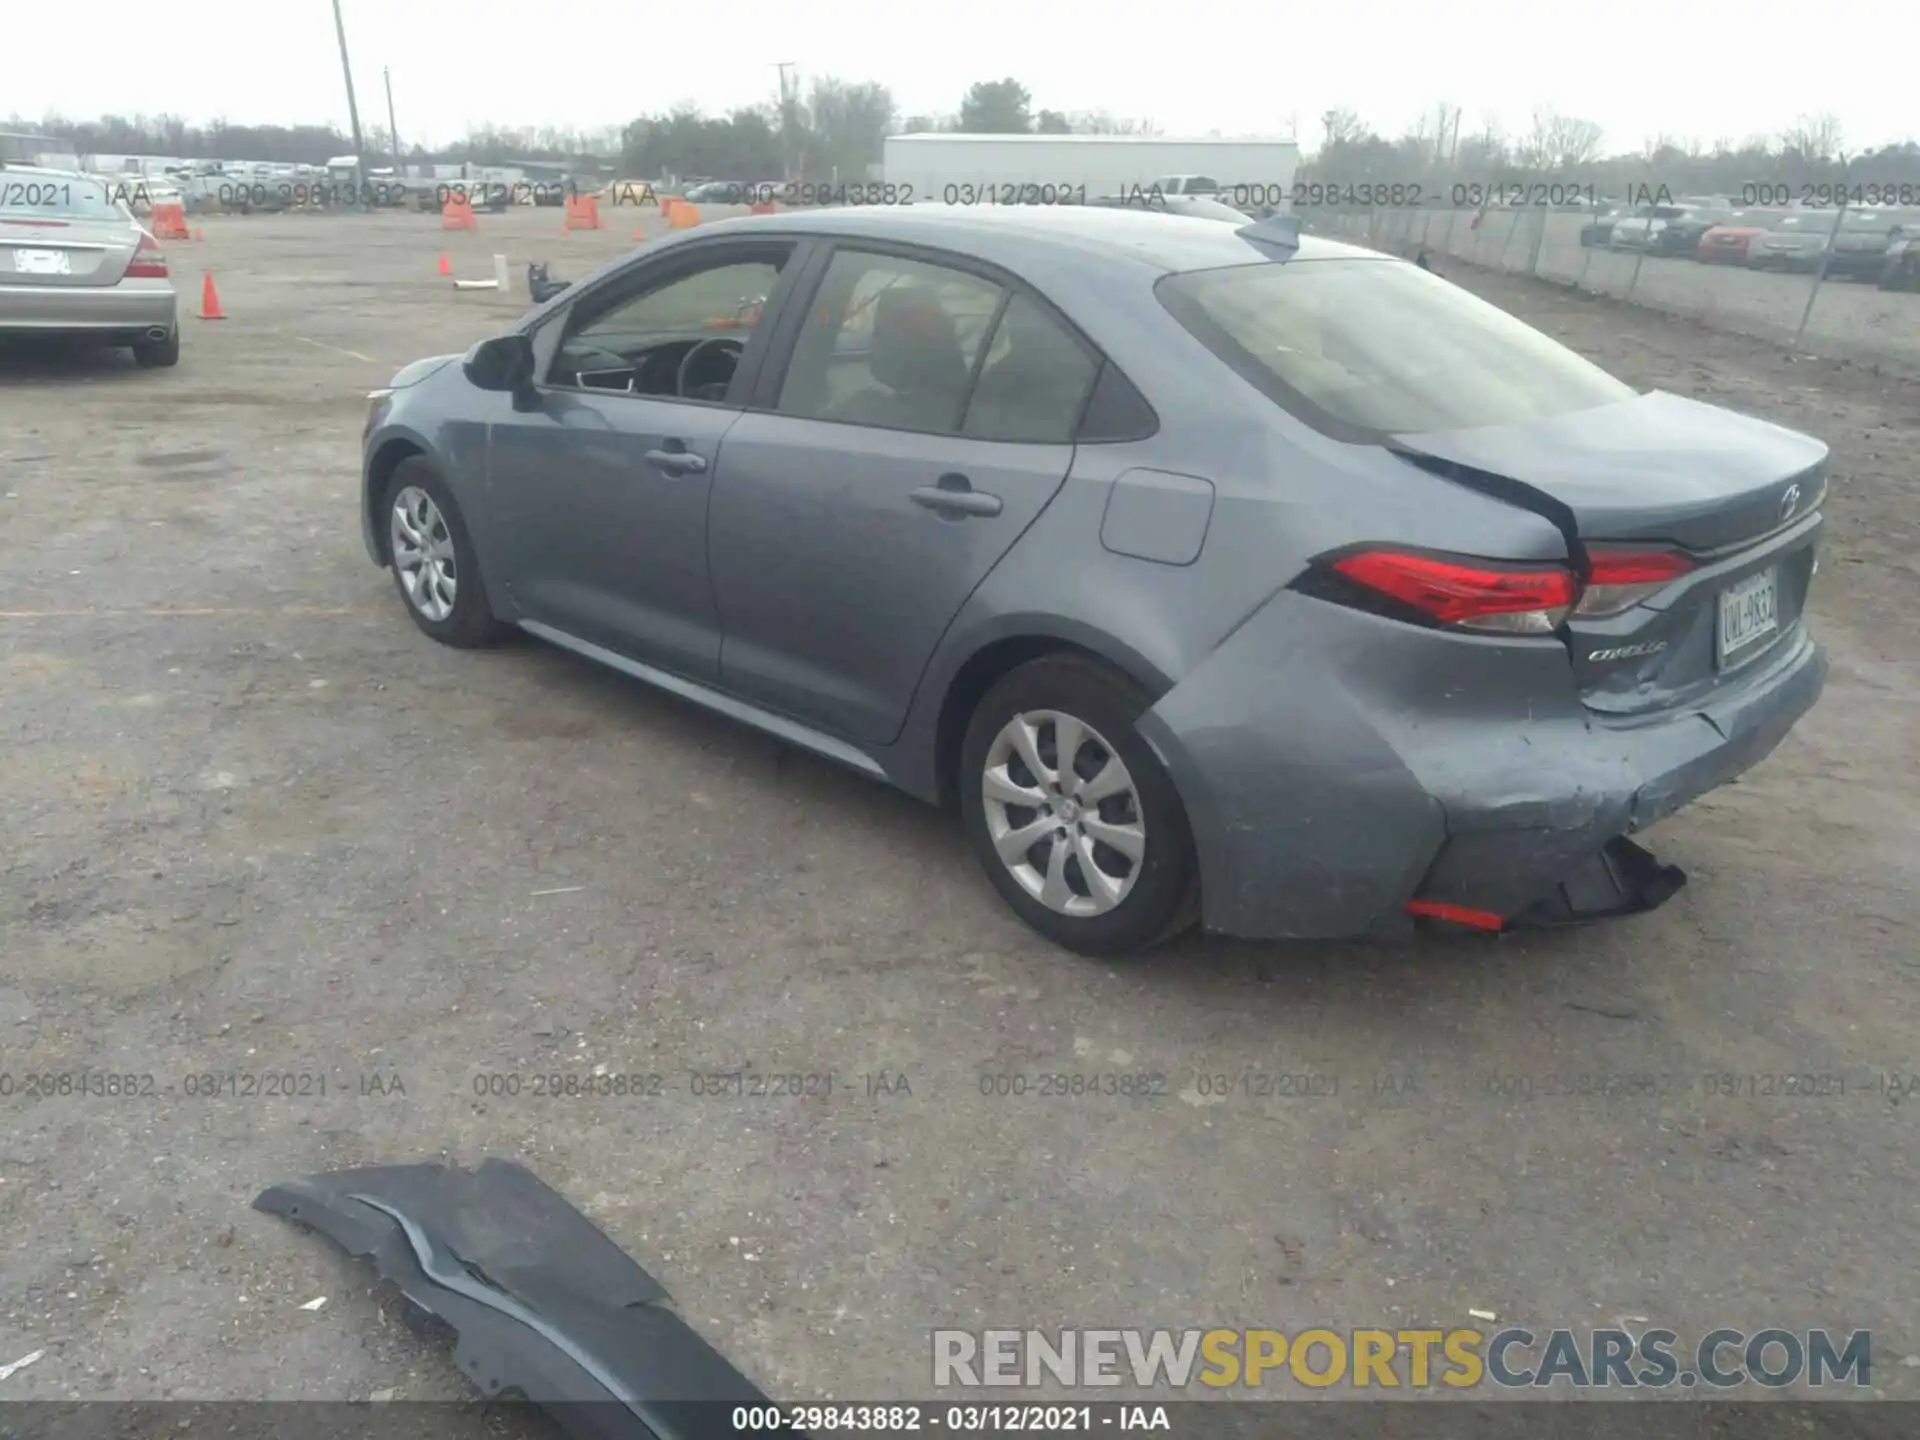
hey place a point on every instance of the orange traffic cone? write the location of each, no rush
(199, 234)
(210, 300)
(446, 266)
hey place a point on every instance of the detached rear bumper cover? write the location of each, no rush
(544, 1304)
(1459, 770)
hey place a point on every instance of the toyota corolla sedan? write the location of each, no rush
(1210, 573)
(75, 262)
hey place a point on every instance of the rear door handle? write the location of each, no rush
(955, 496)
(677, 462)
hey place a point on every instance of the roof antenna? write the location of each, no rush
(1276, 232)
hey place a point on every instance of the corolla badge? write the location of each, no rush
(1626, 652)
(1789, 502)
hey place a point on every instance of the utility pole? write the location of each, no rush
(393, 130)
(353, 108)
(788, 98)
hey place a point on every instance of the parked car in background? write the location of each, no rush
(1208, 572)
(1795, 242)
(1197, 207)
(1727, 243)
(1186, 185)
(1680, 234)
(75, 262)
(1860, 246)
(1900, 266)
(1597, 230)
(1637, 230)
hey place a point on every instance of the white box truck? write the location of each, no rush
(951, 169)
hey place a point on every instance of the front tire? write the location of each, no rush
(1071, 814)
(433, 561)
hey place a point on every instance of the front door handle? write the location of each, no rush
(677, 462)
(954, 495)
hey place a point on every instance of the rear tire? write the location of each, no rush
(158, 354)
(1109, 869)
(433, 561)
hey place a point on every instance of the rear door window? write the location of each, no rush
(890, 341)
(1034, 381)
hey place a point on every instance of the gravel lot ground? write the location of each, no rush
(252, 822)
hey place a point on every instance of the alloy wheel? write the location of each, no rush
(1063, 813)
(423, 554)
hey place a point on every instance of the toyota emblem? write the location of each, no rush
(1788, 501)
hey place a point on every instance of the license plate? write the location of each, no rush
(41, 262)
(1749, 612)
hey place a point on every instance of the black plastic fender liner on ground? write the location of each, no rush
(543, 1303)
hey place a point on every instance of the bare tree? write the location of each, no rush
(1569, 141)
(1343, 127)
(1813, 137)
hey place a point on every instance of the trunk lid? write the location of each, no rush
(36, 251)
(1739, 497)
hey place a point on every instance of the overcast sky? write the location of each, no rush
(1699, 68)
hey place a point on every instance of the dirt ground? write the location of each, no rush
(253, 823)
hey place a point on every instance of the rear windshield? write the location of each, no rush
(1382, 347)
(26, 195)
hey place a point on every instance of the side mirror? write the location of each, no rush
(504, 363)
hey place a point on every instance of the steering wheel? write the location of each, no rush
(699, 348)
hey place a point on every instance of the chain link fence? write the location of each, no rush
(1816, 313)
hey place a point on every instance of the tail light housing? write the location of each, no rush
(1618, 580)
(1471, 594)
(149, 260)
(1490, 596)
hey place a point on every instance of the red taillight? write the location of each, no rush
(149, 261)
(1621, 579)
(1475, 594)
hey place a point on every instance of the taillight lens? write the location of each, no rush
(149, 261)
(1621, 579)
(1473, 594)
(1505, 599)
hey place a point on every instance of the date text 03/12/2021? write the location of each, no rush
(914, 1417)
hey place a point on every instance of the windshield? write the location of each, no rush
(1876, 222)
(50, 195)
(1382, 347)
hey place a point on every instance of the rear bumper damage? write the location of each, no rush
(1465, 774)
(544, 1304)
(1529, 864)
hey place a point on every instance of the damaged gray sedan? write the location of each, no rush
(1210, 573)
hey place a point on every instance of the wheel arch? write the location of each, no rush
(385, 460)
(999, 654)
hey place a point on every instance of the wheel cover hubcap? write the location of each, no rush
(1063, 813)
(423, 554)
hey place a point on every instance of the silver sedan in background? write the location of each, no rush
(75, 262)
